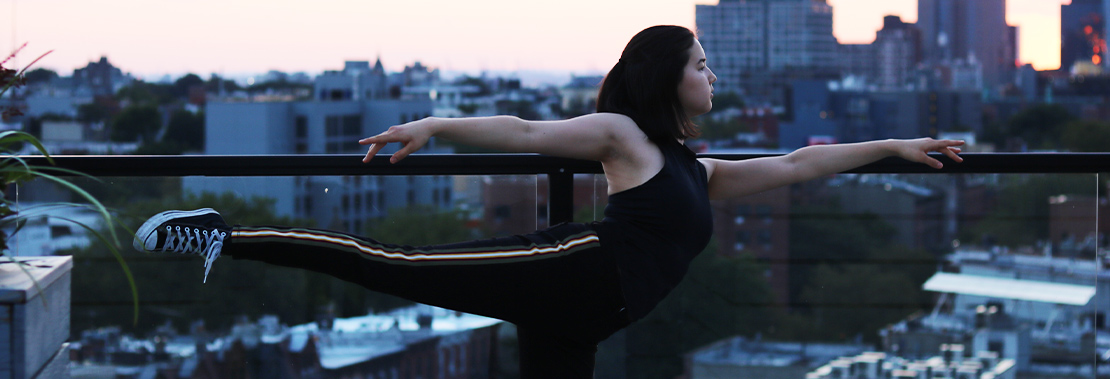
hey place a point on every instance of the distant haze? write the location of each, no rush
(151, 39)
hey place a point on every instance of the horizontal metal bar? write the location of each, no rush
(513, 164)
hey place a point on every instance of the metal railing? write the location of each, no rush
(560, 171)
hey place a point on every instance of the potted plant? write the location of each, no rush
(14, 170)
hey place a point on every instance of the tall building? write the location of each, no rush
(1082, 33)
(99, 78)
(858, 60)
(972, 31)
(319, 127)
(757, 46)
(897, 49)
(1106, 29)
(356, 81)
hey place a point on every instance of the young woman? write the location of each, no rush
(569, 286)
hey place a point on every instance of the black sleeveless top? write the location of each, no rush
(658, 227)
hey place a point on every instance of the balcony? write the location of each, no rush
(795, 280)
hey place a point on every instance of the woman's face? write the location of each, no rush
(695, 89)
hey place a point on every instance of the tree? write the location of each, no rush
(483, 87)
(170, 287)
(1021, 216)
(40, 75)
(468, 109)
(216, 83)
(143, 93)
(1086, 136)
(713, 130)
(726, 100)
(136, 123)
(858, 299)
(827, 234)
(423, 225)
(720, 297)
(93, 112)
(186, 130)
(1040, 126)
(181, 85)
(524, 109)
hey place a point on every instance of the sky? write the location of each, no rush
(151, 38)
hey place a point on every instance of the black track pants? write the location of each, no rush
(558, 285)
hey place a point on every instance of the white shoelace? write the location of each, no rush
(195, 241)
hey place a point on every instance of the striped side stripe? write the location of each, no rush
(397, 254)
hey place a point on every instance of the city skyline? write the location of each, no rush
(151, 39)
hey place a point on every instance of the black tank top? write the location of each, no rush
(658, 228)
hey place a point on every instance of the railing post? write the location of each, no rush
(560, 197)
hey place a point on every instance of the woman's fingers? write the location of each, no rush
(947, 147)
(950, 148)
(376, 144)
(374, 148)
(953, 153)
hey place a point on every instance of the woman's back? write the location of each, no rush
(658, 227)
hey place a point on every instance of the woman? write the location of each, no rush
(572, 285)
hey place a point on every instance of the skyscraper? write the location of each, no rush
(897, 50)
(1082, 33)
(972, 31)
(756, 46)
(1106, 30)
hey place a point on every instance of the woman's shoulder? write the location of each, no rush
(616, 122)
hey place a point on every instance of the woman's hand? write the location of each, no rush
(412, 136)
(915, 150)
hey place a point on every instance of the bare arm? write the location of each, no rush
(739, 178)
(593, 136)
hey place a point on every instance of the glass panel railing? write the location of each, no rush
(825, 276)
(841, 273)
(266, 305)
(898, 269)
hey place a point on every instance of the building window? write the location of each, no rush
(742, 236)
(352, 125)
(340, 131)
(331, 126)
(302, 127)
(765, 237)
(764, 213)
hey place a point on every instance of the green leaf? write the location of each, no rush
(119, 258)
(14, 136)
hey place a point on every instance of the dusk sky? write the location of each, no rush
(150, 38)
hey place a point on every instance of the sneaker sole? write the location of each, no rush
(142, 236)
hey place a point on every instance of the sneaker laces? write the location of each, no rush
(189, 240)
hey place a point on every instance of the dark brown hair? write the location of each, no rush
(643, 85)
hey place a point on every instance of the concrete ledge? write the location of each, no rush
(57, 367)
(34, 317)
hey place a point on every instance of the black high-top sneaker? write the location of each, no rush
(199, 232)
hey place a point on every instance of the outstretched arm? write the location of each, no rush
(739, 178)
(591, 136)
